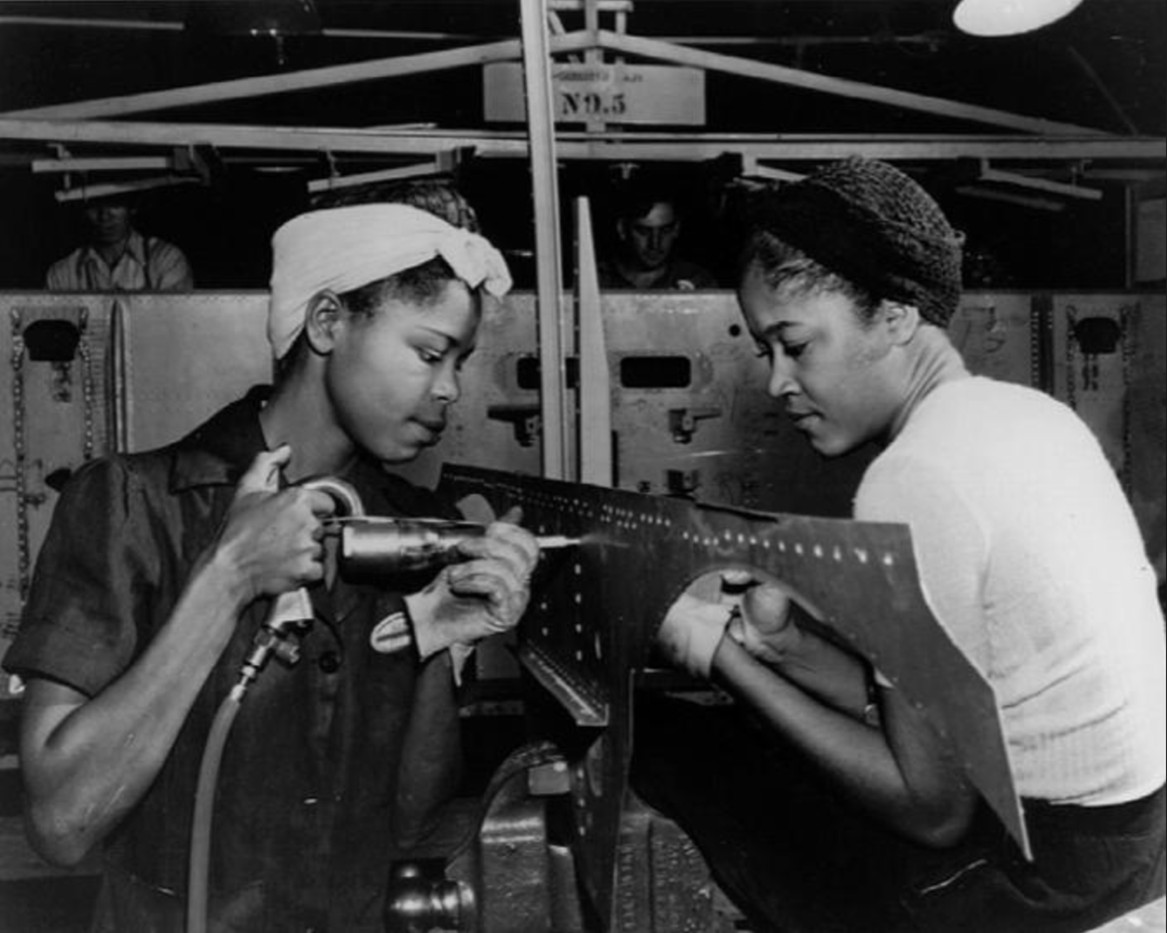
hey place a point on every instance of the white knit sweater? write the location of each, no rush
(1031, 558)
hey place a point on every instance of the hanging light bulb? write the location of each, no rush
(1008, 17)
(253, 17)
(277, 20)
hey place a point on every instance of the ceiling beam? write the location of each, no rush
(444, 163)
(104, 164)
(309, 79)
(509, 49)
(415, 35)
(674, 147)
(821, 149)
(150, 25)
(71, 22)
(841, 87)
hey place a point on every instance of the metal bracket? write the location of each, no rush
(524, 419)
(683, 421)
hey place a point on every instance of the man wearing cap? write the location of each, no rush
(833, 804)
(159, 567)
(119, 258)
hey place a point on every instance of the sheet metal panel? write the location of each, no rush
(596, 610)
(184, 357)
(53, 417)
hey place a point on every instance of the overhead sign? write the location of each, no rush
(610, 93)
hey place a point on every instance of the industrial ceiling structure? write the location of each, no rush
(336, 92)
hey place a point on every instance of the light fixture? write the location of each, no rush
(997, 185)
(92, 192)
(272, 18)
(1062, 189)
(277, 20)
(1008, 17)
(1024, 200)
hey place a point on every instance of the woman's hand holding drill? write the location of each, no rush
(272, 537)
(271, 540)
(485, 595)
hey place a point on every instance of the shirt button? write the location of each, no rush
(329, 662)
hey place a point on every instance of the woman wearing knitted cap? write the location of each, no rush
(159, 567)
(843, 809)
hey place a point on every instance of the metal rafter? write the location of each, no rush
(306, 80)
(589, 39)
(842, 87)
(617, 146)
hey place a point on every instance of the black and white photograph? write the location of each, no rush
(583, 466)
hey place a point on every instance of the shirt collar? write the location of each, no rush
(135, 249)
(219, 451)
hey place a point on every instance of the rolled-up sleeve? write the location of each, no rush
(95, 572)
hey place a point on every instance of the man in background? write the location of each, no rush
(116, 257)
(647, 230)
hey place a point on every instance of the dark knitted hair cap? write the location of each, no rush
(870, 223)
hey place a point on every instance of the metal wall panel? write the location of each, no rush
(1147, 424)
(1110, 365)
(1093, 353)
(689, 409)
(53, 416)
(183, 358)
(712, 434)
(996, 335)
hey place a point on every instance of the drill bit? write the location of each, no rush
(547, 542)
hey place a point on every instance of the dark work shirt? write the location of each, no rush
(678, 275)
(332, 768)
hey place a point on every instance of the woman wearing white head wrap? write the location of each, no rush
(385, 299)
(348, 247)
(162, 567)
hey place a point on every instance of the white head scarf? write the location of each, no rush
(346, 247)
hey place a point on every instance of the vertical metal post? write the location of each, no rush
(118, 377)
(595, 391)
(594, 55)
(1130, 209)
(548, 264)
(621, 29)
